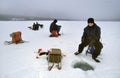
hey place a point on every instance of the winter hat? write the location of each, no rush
(90, 20)
(55, 20)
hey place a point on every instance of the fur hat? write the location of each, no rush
(90, 20)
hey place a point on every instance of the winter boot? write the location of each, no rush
(76, 53)
(96, 60)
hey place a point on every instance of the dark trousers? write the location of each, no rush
(98, 46)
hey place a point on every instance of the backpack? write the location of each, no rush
(16, 37)
(55, 56)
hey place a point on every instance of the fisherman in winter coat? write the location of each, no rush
(91, 36)
(54, 28)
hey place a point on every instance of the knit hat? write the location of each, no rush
(90, 20)
(55, 20)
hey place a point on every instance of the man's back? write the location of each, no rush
(53, 26)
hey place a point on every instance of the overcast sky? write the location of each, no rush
(63, 9)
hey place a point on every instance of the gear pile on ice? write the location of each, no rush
(16, 38)
(54, 57)
(36, 26)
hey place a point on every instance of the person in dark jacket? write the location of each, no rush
(91, 36)
(37, 24)
(55, 27)
(34, 26)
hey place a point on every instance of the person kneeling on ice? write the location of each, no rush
(16, 37)
(54, 29)
(91, 36)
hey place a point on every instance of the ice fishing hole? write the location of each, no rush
(83, 65)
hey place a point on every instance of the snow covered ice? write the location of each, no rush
(19, 61)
